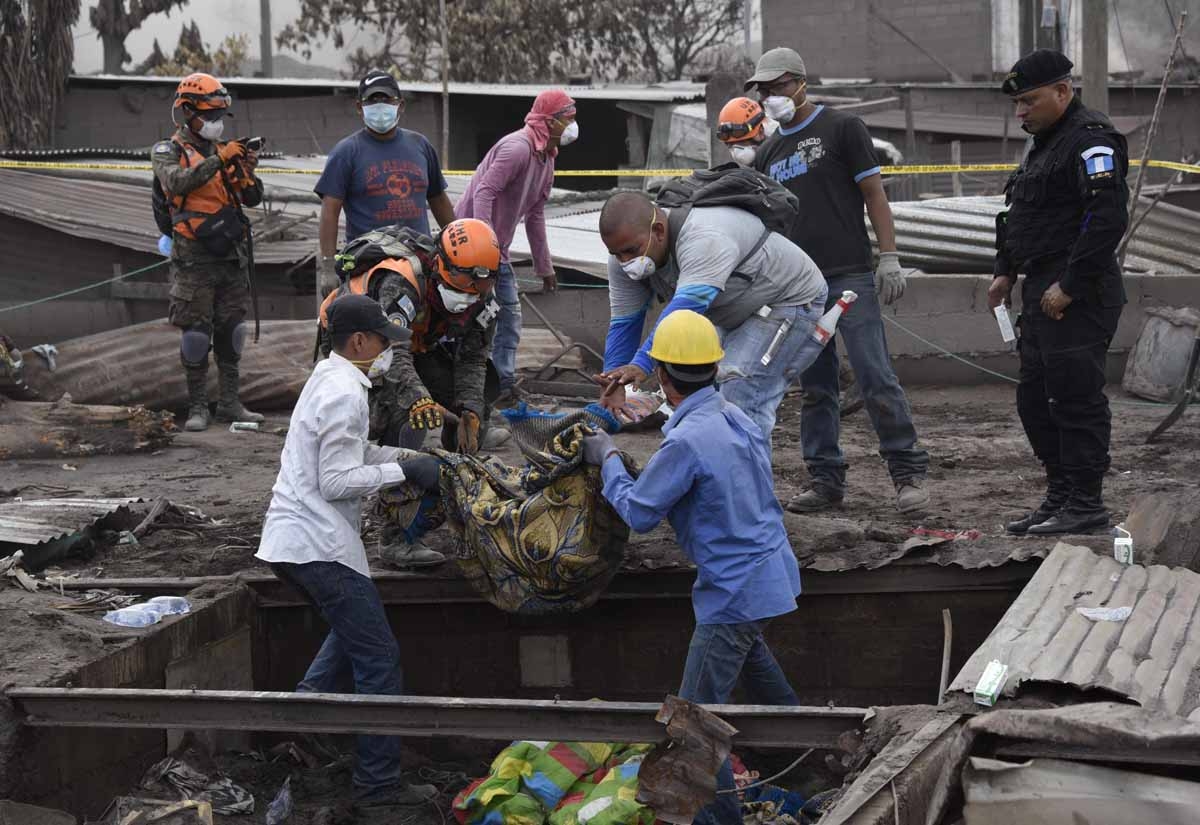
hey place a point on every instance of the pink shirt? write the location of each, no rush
(510, 184)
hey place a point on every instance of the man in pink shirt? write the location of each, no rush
(512, 184)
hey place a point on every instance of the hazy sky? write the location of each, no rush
(216, 19)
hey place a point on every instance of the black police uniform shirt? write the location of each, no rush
(1074, 217)
(821, 160)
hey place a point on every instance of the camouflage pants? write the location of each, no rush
(212, 294)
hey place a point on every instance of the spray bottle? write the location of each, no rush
(827, 326)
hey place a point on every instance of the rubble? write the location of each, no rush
(679, 777)
(1158, 363)
(36, 429)
(1166, 528)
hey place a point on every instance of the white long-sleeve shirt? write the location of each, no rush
(327, 466)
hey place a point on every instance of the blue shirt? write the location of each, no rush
(383, 182)
(711, 478)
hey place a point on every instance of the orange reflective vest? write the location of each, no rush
(204, 201)
(360, 284)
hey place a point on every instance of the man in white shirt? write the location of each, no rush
(311, 537)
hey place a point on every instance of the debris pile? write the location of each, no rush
(37, 429)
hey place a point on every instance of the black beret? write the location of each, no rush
(1039, 68)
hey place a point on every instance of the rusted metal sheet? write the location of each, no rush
(679, 778)
(41, 520)
(436, 716)
(1151, 655)
(140, 365)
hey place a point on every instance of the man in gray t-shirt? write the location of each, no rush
(751, 283)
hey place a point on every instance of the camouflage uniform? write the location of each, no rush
(210, 294)
(453, 369)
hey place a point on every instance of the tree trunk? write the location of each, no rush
(114, 53)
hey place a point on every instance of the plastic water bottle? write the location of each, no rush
(137, 615)
(172, 605)
(827, 326)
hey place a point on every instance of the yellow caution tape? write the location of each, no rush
(911, 169)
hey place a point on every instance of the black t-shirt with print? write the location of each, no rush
(821, 160)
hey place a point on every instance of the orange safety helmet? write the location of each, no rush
(468, 256)
(741, 119)
(202, 92)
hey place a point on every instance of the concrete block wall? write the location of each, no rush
(842, 38)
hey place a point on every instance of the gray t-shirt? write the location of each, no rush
(711, 242)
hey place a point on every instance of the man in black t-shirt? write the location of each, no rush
(827, 159)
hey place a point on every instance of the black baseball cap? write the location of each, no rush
(358, 313)
(377, 81)
(1037, 69)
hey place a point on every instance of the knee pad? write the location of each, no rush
(229, 342)
(194, 345)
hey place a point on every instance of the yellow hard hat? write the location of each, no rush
(688, 338)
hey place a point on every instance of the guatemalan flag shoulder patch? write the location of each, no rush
(1098, 160)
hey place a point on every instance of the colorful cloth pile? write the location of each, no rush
(558, 783)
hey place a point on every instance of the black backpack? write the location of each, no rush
(732, 185)
(162, 210)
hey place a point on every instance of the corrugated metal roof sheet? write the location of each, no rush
(677, 90)
(983, 126)
(1152, 656)
(41, 520)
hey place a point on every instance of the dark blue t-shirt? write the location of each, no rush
(383, 182)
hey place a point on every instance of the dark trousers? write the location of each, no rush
(1060, 397)
(720, 654)
(360, 648)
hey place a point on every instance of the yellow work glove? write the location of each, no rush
(424, 414)
(468, 433)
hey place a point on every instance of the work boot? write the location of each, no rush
(1083, 512)
(814, 500)
(197, 385)
(394, 796)
(1057, 491)
(508, 397)
(229, 407)
(911, 495)
(407, 556)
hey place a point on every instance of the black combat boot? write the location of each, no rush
(229, 407)
(1058, 490)
(197, 384)
(1084, 511)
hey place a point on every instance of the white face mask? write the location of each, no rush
(569, 134)
(780, 108)
(639, 268)
(381, 364)
(455, 301)
(743, 155)
(380, 117)
(212, 129)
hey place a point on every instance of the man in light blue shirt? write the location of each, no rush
(711, 478)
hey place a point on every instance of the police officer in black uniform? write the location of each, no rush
(1067, 211)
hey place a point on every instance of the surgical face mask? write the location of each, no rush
(780, 108)
(569, 134)
(212, 129)
(743, 155)
(379, 365)
(380, 117)
(455, 301)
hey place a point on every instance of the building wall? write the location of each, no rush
(843, 38)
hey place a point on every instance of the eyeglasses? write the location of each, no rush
(739, 131)
(776, 87)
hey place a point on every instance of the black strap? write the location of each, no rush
(675, 221)
(762, 239)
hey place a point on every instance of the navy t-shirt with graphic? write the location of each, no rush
(822, 159)
(383, 182)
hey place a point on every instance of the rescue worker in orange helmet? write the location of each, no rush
(203, 179)
(741, 127)
(440, 289)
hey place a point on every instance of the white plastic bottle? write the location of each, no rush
(827, 326)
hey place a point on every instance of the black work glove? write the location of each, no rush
(425, 471)
(597, 446)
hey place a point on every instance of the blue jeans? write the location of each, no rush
(757, 389)
(508, 327)
(717, 656)
(861, 328)
(360, 644)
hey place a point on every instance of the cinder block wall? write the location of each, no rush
(842, 38)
